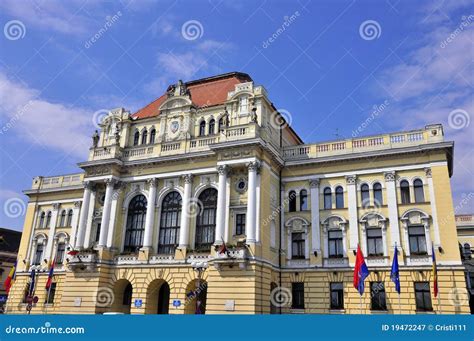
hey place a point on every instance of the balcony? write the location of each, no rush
(170, 148)
(431, 134)
(238, 256)
(84, 261)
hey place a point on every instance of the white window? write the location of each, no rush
(244, 105)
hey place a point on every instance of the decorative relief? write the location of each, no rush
(223, 169)
(188, 178)
(241, 185)
(389, 176)
(428, 172)
(351, 179)
(314, 183)
(253, 166)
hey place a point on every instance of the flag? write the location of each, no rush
(222, 248)
(32, 283)
(50, 276)
(435, 272)
(360, 271)
(394, 273)
(10, 279)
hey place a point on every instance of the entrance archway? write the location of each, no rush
(158, 297)
(123, 292)
(196, 296)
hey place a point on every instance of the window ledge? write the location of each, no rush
(379, 311)
(421, 312)
(297, 310)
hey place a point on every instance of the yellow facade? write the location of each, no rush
(265, 201)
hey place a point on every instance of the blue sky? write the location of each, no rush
(328, 64)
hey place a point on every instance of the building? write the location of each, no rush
(207, 201)
(9, 245)
(465, 227)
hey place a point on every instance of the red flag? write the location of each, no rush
(360, 271)
(50, 276)
(222, 248)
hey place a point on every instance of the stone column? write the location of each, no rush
(52, 231)
(104, 224)
(81, 230)
(352, 208)
(90, 220)
(75, 222)
(221, 203)
(434, 211)
(250, 225)
(113, 214)
(150, 214)
(392, 208)
(315, 234)
(184, 225)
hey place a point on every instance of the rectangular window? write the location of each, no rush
(244, 105)
(297, 246)
(374, 242)
(60, 253)
(297, 290)
(52, 292)
(337, 295)
(422, 296)
(38, 254)
(240, 224)
(377, 293)
(335, 244)
(417, 240)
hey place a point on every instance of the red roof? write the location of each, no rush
(204, 92)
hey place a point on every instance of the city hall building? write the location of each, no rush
(207, 201)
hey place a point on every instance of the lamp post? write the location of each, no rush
(199, 267)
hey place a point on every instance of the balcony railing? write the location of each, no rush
(57, 181)
(233, 133)
(430, 134)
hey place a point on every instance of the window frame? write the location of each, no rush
(212, 127)
(144, 137)
(419, 191)
(365, 195)
(339, 292)
(378, 298)
(377, 191)
(37, 255)
(206, 220)
(297, 295)
(202, 128)
(377, 253)
(136, 138)
(240, 226)
(298, 245)
(427, 304)
(338, 244)
(417, 236)
(135, 223)
(327, 196)
(405, 192)
(60, 253)
(170, 223)
(339, 192)
(49, 299)
(303, 200)
(292, 201)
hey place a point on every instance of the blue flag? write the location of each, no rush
(394, 274)
(32, 283)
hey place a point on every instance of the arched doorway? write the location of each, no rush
(123, 292)
(158, 297)
(196, 296)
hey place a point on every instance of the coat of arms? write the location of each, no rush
(174, 126)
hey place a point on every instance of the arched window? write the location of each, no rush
(339, 197)
(69, 218)
(212, 125)
(62, 219)
(364, 195)
(152, 136)
(136, 138)
(48, 219)
(418, 188)
(292, 201)
(144, 136)
(206, 220)
(378, 199)
(41, 222)
(221, 124)
(303, 200)
(202, 128)
(405, 192)
(135, 223)
(169, 223)
(327, 198)
(60, 253)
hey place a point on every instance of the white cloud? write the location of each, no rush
(39, 121)
(51, 15)
(434, 79)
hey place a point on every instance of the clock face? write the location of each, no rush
(174, 126)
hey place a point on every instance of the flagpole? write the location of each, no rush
(360, 297)
(399, 305)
